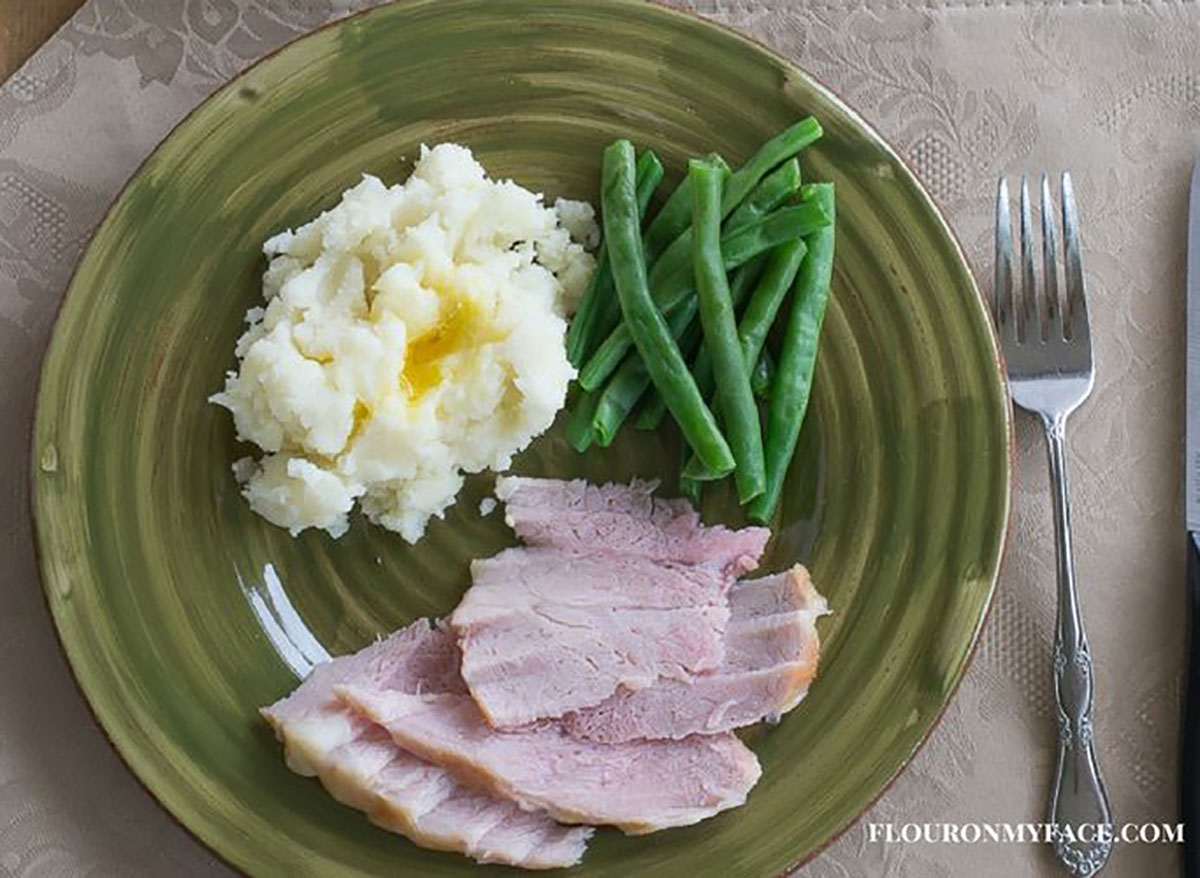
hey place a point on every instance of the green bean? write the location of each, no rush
(632, 379)
(779, 148)
(579, 430)
(741, 282)
(598, 312)
(755, 179)
(744, 279)
(690, 488)
(775, 228)
(674, 217)
(775, 188)
(651, 412)
(760, 382)
(775, 281)
(793, 379)
(644, 321)
(649, 173)
(582, 329)
(768, 296)
(721, 334)
(767, 195)
(763, 374)
(755, 324)
(737, 248)
(743, 244)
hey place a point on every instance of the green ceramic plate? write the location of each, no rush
(181, 612)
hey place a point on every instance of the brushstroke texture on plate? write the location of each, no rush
(181, 611)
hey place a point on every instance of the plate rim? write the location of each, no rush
(42, 549)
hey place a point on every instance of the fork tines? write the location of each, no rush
(1038, 311)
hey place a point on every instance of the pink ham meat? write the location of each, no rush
(771, 649)
(359, 764)
(639, 787)
(615, 590)
(544, 631)
(624, 520)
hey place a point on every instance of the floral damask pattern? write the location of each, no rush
(42, 85)
(965, 90)
(204, 40)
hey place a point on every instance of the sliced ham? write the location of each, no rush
(639, 787)
(421, 657)
(624, 520)
(544, 631)
(359, 764)
(402, 793)
(771, 649)
(592, 676)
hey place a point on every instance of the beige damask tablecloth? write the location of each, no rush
(966, 90)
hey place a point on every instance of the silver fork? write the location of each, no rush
(1048, 350)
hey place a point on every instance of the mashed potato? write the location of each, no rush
(410, 334)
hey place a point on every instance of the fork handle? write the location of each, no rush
(1078, 795)
(1189, 784)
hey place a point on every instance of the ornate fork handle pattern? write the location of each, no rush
(1047, 342)
(1079, 796)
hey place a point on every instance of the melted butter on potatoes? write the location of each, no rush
(410, 334)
